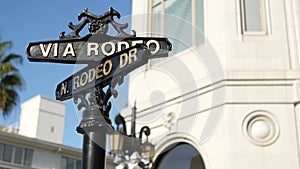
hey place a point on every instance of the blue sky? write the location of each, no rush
(35, 20)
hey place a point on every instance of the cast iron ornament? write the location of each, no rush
(97, 24)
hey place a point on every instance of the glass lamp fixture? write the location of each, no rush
(147, 150)
(116, 143)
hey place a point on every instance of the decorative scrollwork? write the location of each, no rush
(97, 24)
(96, 100)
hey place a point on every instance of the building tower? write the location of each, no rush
(43, 118)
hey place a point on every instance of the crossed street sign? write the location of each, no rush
(106, 56)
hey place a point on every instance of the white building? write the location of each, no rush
(43, 118)
(37, 143)
(228, 99)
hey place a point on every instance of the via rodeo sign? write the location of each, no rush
(106, 56)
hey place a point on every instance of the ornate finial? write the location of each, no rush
(97, 24)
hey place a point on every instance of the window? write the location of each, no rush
(181, 156)
(253, 14)
(7, 154)
(19, 153)
(16, 155)
(70, 163)
(181, 20)
(28, 157)
(1, 150)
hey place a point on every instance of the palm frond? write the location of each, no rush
(7, 68)
(3, 47)
(13, 57)
(11, 102)
(13, 81)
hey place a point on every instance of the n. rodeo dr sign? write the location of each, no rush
(99, 74)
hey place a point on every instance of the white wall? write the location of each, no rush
(250, 51)
(43, 118)
(29, 117)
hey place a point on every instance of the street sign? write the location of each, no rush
(91, 48)
(101, 74)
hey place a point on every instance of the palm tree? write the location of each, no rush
(10, 79)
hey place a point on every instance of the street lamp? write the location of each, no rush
(130, 148)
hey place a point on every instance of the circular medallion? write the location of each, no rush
(261, 128)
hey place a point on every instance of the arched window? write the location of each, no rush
(181, 156)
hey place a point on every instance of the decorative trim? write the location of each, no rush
(265, 119)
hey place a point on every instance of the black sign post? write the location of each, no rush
(108, 60)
